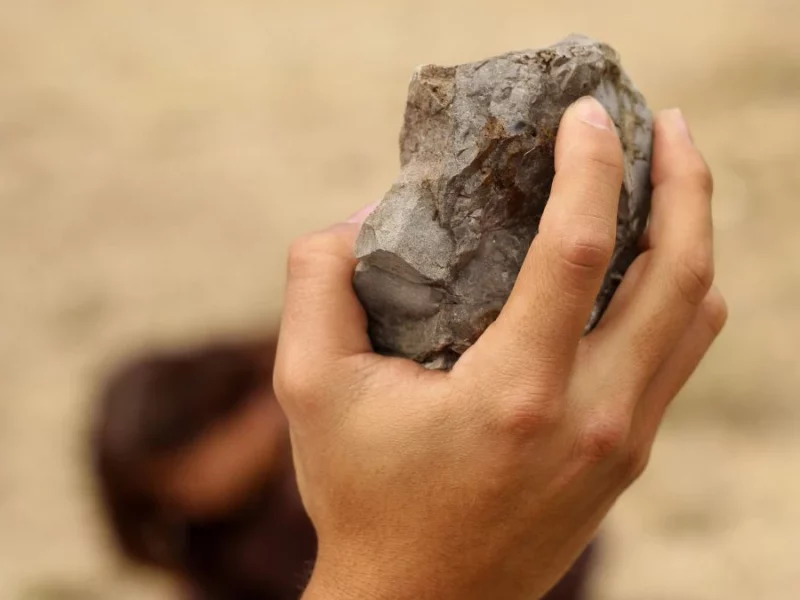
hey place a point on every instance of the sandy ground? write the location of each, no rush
(157, 156)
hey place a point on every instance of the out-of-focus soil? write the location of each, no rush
(156, 157)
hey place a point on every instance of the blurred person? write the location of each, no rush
(192, 454)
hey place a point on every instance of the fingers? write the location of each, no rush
(552, 299)
(626, 430)
(680, 365)
(322, 319)
(626, 292)
(653, 312)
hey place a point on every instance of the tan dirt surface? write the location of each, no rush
(157, 156)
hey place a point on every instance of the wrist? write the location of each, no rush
(341, 584)
(356, 577)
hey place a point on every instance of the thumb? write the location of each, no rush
(322, 316)
(322, 319)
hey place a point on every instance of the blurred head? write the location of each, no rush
(193, 461)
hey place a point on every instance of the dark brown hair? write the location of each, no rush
(156, 404)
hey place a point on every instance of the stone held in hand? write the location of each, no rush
(439, 255)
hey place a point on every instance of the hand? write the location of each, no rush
(489, 480)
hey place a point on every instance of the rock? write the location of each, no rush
(439, 256)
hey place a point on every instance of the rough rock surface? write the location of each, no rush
(440, 254)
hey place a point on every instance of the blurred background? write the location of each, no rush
(156, 158)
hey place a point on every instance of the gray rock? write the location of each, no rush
(439, 256)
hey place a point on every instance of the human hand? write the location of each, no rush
(489, 480)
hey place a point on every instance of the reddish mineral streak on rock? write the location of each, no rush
(440, 254)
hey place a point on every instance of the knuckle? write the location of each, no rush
(608, 159)
(604, 152)
(602, 440)
(634, 464)
(301, 254)
(700, 176)
(586, 248)
(306, 250)
(295, 384)
(694, 275)
(715, 311)
(530, 416)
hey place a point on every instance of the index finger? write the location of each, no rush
(553, 296)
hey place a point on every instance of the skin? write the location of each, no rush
(489, 480)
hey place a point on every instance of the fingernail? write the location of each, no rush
(362, 214)
(591, 112)
(678, 122)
